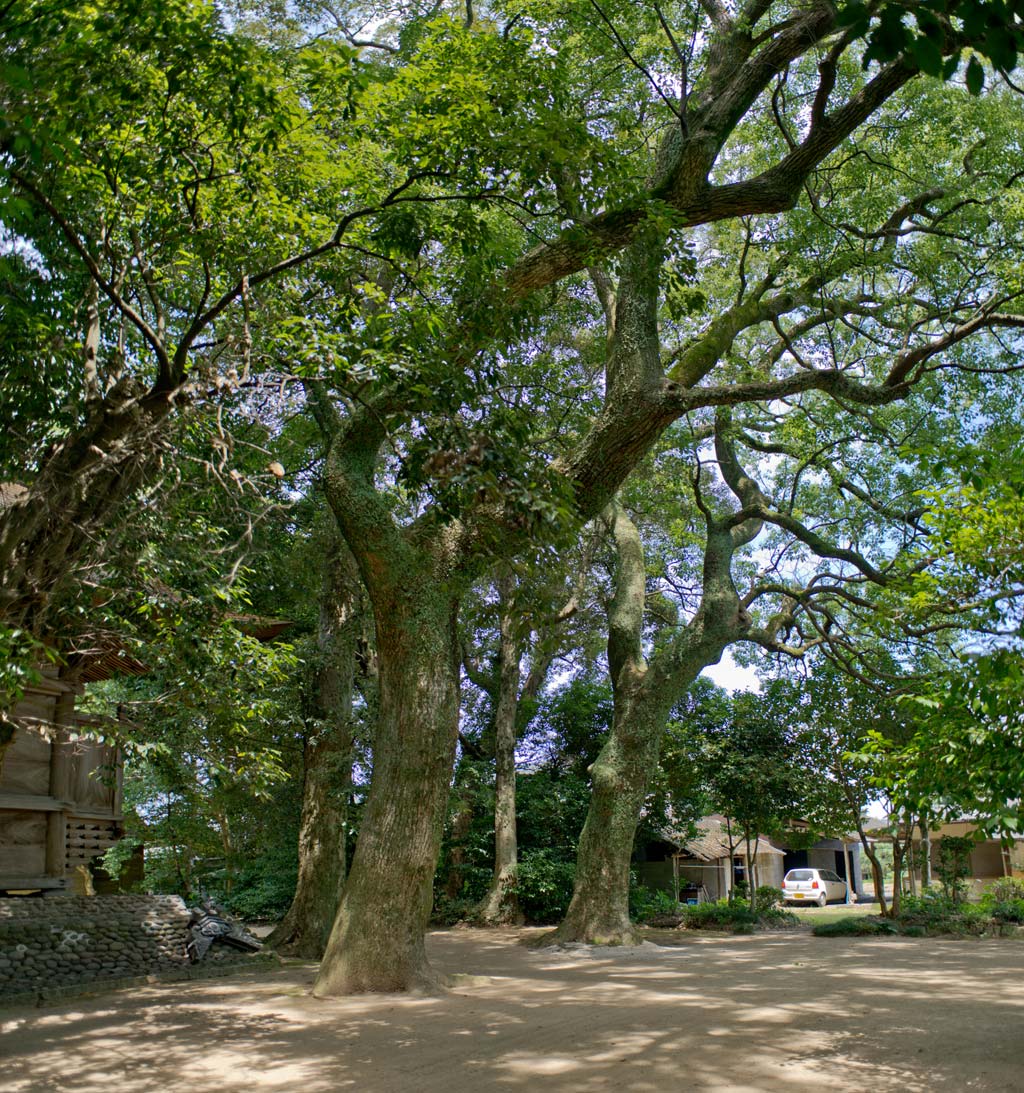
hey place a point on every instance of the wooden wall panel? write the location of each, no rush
(37, 707)
(92, 779)
(22, 844)
(25, 776)
(26, 763)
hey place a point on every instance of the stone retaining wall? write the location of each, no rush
(77, 941)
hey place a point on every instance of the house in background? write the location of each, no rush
(703, 866)
(706, 866)
(990, 859)
(841, 855)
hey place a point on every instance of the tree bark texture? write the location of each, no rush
(327, 763)
(376, 943)
(377, 940)
(599, 910)
(644, 695)
(501, 903)
(56, 526)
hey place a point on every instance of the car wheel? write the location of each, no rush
(823, 899)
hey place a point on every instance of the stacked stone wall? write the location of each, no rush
(50, 945)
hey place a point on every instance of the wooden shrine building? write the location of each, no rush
(60, 791)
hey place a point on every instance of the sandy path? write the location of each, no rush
(784, 1012)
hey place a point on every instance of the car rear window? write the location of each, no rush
(800, 874)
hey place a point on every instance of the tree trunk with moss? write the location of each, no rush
(413, 586)
(327, 763)
(377, 940)
(643, 697)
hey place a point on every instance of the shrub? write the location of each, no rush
(721, 915)
(1006, 890)
(767, 897)
(544, 886)
(735, 916)
(854, 926)
(777, 916)
(264, 888)
(940, 912)
(1011, 910)
(447, 911)
(647, 903)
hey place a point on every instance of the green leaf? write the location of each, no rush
(974, 76)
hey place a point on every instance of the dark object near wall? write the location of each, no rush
(208, 924)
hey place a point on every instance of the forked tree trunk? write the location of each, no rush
(377, 943)
(644, 695)
(327, 765)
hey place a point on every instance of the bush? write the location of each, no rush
(767, 897)
(648, 903)
(264, 888)
(1005, 890)
(853, 927)
(447, 911)
(544, 886)
(940, 912)
(777, 916)
(736, 916)
(721, 915)
(1011, 910)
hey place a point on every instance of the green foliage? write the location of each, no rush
(544, 885)
(1005, 890)
(954, 865)
(20, 658)
(1008, 911)
(942, 912)
(721, 915)
(767, 897)
(735, 915)
(743, 757)
(116, 859)
(855, 926)
(263, 888)
(934, 913)
(647, 903)
(928, 32)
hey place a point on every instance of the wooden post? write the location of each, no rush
(60, 775)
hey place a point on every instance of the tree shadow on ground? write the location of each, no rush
(756, 1013)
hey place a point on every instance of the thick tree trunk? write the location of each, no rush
(327, 765)
(50, 531)
(377, 940)
(599, 910)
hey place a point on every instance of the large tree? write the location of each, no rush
(747, 80)
(473, 164)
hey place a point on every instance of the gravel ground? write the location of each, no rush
(761, 1013)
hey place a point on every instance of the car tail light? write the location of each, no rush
(814, 884)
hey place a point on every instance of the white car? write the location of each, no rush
(813, 886)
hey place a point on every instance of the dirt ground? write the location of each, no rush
(763, 1013)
